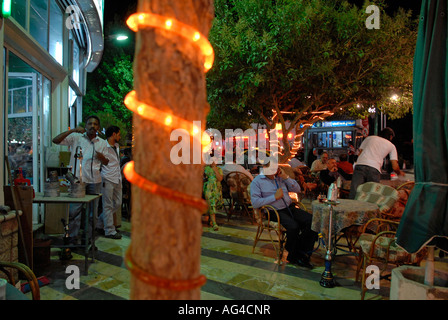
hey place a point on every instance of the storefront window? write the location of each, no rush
(337, 139)
(75, 61)
(18, 12)
(46, 112)
(25, 100)
(56, 32)
(323, 139)
(348, 136)
(39, 22)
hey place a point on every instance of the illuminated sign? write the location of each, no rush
(6, 8)
(330, 124)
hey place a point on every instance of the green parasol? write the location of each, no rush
(424, 220)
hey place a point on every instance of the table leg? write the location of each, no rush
(327, 279)
(86, 239)
(95, 214)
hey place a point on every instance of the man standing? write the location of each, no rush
(273, 190)
(93, 148)
(372, 152)
(111, 187)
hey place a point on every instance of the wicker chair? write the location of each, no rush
(276, 232)
(381, 247)
(26, 271)
(384, 196)
(238, 183)
(396, 212)
(409, 185)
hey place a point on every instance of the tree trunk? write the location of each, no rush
(169, 75)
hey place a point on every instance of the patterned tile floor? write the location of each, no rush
(233, 272)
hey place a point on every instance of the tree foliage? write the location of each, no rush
(108, 85)
(309, 58)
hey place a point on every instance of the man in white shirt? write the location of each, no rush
(319, 164)
(93, 148)
(372, 152)
(111, 189)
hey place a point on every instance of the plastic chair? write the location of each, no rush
(26, 271)
(381, 247)
(276, 232)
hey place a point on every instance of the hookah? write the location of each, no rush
(327, 280)
(78, 155)
(65, 253)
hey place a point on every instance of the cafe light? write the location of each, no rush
(147, 111)
(154, 114)
(144, 20)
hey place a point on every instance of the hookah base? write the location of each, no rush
(65, 254)
(327, 280)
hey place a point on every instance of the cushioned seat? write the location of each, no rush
(386, 248)
(383, 196)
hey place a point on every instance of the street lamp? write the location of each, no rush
(118, 37)
(121, 37)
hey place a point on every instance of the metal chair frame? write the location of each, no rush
(385, 228)
(276, 232)
(26, 271)
(238, 198)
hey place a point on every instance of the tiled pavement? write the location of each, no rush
(232, 270)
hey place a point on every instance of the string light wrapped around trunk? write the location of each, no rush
(151, 111)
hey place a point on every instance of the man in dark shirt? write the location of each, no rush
(331, 174)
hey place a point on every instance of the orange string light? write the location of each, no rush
(142, 20)
(136, 179)
(135, 22)
(151, 113)
(170, 284)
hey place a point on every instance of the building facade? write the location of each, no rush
(48, 48)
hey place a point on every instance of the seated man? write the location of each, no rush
(331, 174)
(319, 164)
(272, 189)
(343, 164)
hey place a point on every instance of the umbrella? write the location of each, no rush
(424, 221)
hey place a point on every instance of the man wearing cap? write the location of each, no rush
(372, 152)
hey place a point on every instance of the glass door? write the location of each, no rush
(23, 124)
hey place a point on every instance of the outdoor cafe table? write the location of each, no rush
(345, 214)
(64, 198)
